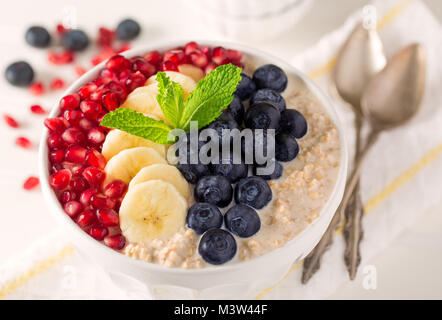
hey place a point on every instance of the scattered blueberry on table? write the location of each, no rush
(38, 37)
(128, 29)
(19, 74)
(75, 40)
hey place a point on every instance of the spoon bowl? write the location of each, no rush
(394, 96)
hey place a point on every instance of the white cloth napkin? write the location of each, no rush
(401, 179)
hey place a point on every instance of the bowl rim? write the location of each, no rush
(53, 202)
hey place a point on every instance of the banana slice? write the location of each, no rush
(190, 70)
(152, 210)
(186, 82)
(126, 164)
(117, 141)
(163, 172)
(144, 100)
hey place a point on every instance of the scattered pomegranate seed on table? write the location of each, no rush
(37, 89)
(10, 121)
(63, 57)
(79, 70)
(31, 183)
(37, 109)
(57, 83)
(23, 142)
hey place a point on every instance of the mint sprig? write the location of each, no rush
(205, 103)
(137, 124)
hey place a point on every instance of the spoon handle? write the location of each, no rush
(354, 178)
(354, 212)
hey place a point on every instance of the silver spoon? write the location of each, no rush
(392, 98)
(360, 58)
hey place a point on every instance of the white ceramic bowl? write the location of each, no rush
(239, 280)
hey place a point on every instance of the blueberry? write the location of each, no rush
(262, 116)
(19, 74)
(242, 221)
(233, 172)
(236, 109)
(75, 40)
(245, 87)
(217, 246)
(269, 96)
(220, 124)
(204, 216)
(286, 147)
(193, 172)
(38, 37)
(271, 77)
(216, 190)
(128, 29)
(276, 174)
(253, 191)
(293, 123)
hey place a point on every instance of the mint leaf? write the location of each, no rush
(211, 96)
(170, 97)
(137, 124)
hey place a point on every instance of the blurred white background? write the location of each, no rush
(405, 270)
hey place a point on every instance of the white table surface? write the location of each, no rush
(410, 268)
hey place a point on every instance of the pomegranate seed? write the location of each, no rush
(72, 116)
(79, 70)
(98, 94)
(207, 52)
(37, 89)
(94, 176)
(86, 195)
(124, 75)
(96, 136)
(153, 57)
(98, 233)
(86, 124)
(234, 55)
(60, 29)
(67, 196)
(56, 156)
(60, 180)
(64, 57)
(37, 109)
(10, 121)
(191, 47)
(106, 76)
(198, 59)
(116, 242)
(118, 89)
(86, 90)
(86, 218)
(73, 136)
(118, 63)
(211, 66)
(76, 154)
(70, 102)
(144, 67)
(219, 55)
(91, 109)
(54, 124)
(117, 205)
(168, 66)
(105, 36)
(115, 189)
(95, 159)
(177, 56)
(55, 141)
(23, 142)
(31, 183)
(73, 208)
(55, 168)
(102, 202)
(110, 101)
(78, 184)
(108, 217)
(136, 80)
